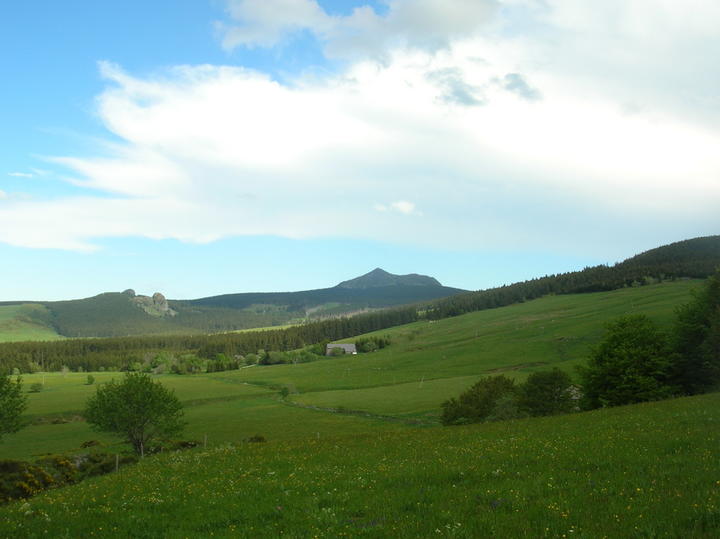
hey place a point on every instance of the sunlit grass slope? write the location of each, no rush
(431, 361)
(23, 323)
(647, 470)
(216, 409)
(426, 364)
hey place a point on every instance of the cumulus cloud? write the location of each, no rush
(20, 174)
(423, 24)
(401, 206)
(207, 152)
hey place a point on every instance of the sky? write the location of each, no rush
(201, 147)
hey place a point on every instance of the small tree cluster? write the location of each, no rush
(498, 398)
(637, 362)
(372, 344)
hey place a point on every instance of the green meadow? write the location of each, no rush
(21, 323)
(401, 386)
(355, 449)
(648, 470)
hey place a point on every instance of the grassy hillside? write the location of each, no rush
(26, 322)
(223, 408)
(427, 363)
(435, 360)
(647, 470)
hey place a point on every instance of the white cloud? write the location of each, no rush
(424, 24)
(502, 141)
(3, 195)
(20, 175)
(401, 206)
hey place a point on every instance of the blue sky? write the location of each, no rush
(198, 147)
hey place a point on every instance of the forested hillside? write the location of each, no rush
(117, 314)
(120, 352)
(696, 258)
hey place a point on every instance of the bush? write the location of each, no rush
(92, 464)
(59, 467)
(19, 479)
(35, 388)
(90, 380)
(546, 393)
(479, 402)
(371, 344)
(506, 407)
(633, 363)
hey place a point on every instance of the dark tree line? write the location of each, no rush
(123, 352)
(697, 258)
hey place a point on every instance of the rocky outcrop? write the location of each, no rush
(157, 305)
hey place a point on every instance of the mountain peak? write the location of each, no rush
(379, 277)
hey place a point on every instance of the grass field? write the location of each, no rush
(426, 364)
(647, 470)
(650, 470)
(17, 324)
(221, 409)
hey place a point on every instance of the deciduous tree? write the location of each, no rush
(697, 340)
(479, 402)
(12, 405)
(138, 408)
(633, 363)
(546, 393)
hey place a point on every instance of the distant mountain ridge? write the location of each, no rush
(379, 277)
(119, 314)
(124, 313)
(375, 290)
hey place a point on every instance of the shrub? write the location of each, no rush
(546, 393)
(35, 388)
(59, 467)
(371, 344)
(19, 479)
(478, 402)
(506, 407)
(632, 364)
(92, 464)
